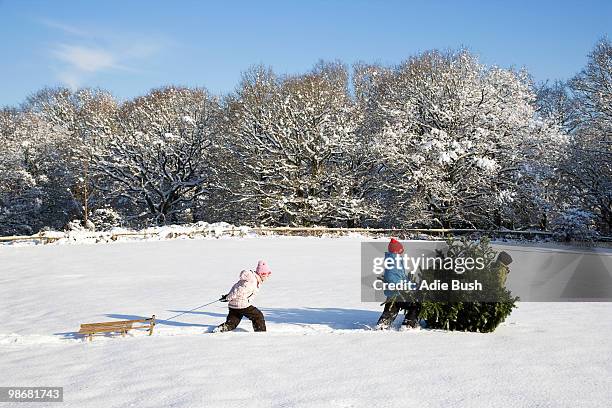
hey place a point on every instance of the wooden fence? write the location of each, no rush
(435, 233)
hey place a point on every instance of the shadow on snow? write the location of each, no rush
(334, 318)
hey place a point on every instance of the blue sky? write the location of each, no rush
(129, 47)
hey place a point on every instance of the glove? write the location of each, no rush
(224, 298)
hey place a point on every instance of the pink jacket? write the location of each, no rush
(244, 290)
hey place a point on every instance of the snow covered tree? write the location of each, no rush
(162, 158)
(574, 223)
(588, 170)
(73, 121)
(20, 197)
(37, 176)
(105, 219)
(556, 103)
(440, 140)
(298, 160)
(593, 88)
(462, 139)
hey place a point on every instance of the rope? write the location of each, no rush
(191, 310)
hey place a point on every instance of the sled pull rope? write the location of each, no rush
(191, 310)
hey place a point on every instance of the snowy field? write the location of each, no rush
(316, 353)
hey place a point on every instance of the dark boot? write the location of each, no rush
(234, 316)
(221, 328)
(411, 320)
(388, 315)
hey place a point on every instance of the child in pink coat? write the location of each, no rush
(240, 297)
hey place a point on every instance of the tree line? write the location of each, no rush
(440, 140)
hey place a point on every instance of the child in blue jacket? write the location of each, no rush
(396, 299)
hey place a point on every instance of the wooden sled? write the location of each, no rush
(118, 326)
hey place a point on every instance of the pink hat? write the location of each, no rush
(263, 269)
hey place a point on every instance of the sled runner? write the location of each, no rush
(118, 326)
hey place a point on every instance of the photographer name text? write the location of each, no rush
(435, 285)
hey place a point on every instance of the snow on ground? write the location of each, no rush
(317, 352)
(79, 235)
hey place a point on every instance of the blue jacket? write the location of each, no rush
(394, 275)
